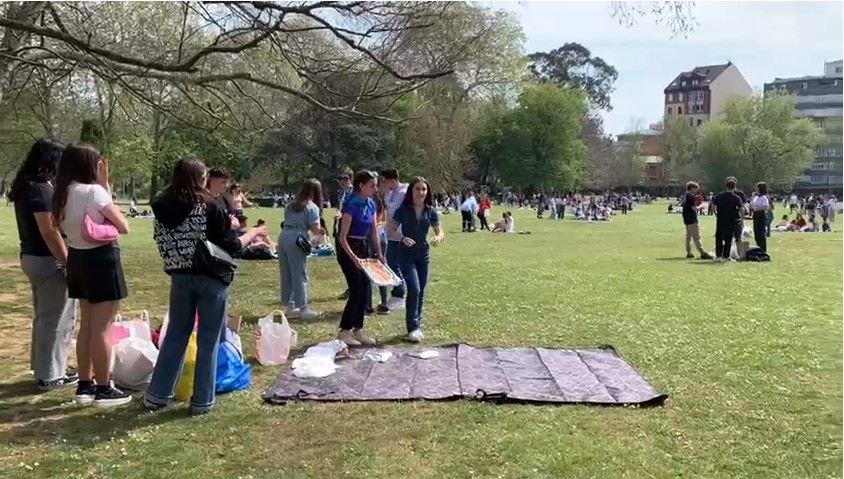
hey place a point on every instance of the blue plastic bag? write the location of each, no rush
(232, 373)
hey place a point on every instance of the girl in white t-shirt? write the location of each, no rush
(94, 271)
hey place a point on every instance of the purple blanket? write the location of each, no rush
(586, 376)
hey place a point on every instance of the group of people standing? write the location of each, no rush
(68, 227)
(730, 207)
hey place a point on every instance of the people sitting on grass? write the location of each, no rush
(261, 247)
(783, 225)
(505, 225)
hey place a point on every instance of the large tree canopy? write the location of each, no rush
(759, 139)
(536, 146)
(572, 65)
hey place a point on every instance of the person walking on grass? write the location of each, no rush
(301, 217)
(358, 231)
(410, 225)
(728, 208)
(94, 271)
(186, 215)
(760, 206)
(393, 192)
(690, 219)
(43, 256)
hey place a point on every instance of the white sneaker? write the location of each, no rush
(348, 337)
(395, 303)
(291, 312)
(364, 338)
(415, 336)
(308, 313)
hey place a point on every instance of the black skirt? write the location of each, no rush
(96, 275)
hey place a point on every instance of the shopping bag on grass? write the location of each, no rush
(184, 388)
(273, 341)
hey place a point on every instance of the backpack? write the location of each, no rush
(755, 253)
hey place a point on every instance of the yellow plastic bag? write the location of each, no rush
(184, 388)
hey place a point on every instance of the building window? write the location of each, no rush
(670, 97)
(683, 83)
(669, 110)
(679, 110)
(805, 85)
(680, 96)
(837, 69)
(818, 166)
(699, 122)
(817, 180)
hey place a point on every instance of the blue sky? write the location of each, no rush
(764, 40)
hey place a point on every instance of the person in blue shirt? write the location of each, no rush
(358, 230)
(415, 216)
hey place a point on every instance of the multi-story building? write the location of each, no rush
(702, 93)
(819, 98)
(650, 152)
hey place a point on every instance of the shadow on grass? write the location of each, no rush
(675, 258)
(49, 421)
(19, 389)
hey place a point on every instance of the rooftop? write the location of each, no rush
(706, 74)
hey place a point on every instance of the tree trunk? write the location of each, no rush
(156, 147)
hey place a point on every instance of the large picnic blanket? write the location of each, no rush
(588, 376)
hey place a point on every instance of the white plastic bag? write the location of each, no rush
(313, 367)
(274, 340)
(134, 360)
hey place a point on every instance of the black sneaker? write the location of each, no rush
(706, 256)
(67, 380)
(86, 391)
(110, 396)
(689, 256)
(369, 311)
(382, 309)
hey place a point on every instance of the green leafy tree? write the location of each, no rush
(572, 65)
(758, 139)
(536, 146)
(678, 150)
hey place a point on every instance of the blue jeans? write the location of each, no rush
(414, 267)
(190, 294)
(393, 249)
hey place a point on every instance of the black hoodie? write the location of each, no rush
(179, 225)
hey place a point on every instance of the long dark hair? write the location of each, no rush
(311, 191)
(187, 183)
(40, 165)
(78, 164)
(408, 197)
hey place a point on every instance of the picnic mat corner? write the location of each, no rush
(595, 376)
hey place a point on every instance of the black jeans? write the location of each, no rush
(724, 234)
(484, 224)
(760, 224)
(467, 220)
(359, 285)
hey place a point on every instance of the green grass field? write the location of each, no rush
(750, 355)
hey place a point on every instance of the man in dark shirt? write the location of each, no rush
(728, 206)
(691, 222)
